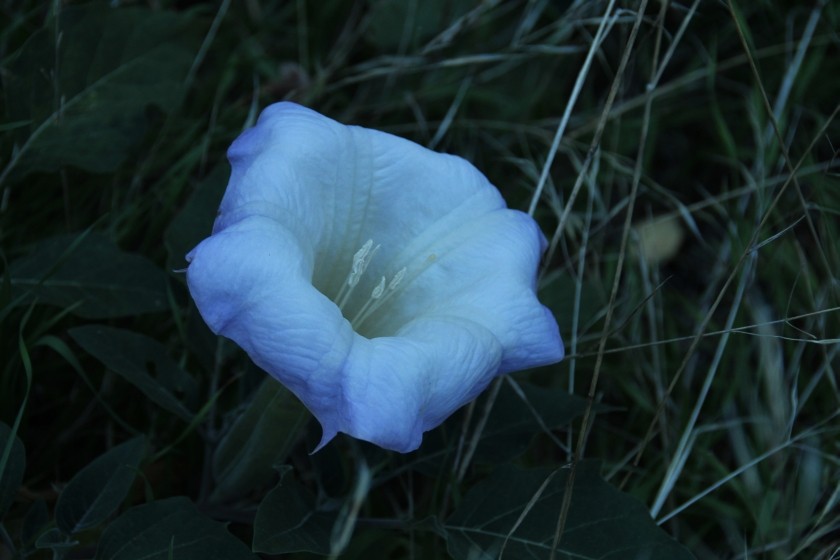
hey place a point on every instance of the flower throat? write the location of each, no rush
(379, 295)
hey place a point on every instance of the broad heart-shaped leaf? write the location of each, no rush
(171, 528)
(513, 423)
(517, 418)
(602, 523)
(195, 221)
(12, 466)
(98, 489)
(91, 274)
(143, 362)
(260, 438)
(57, 541)
(288, 520)
(34, 522)
(110, 65)
(561, 296)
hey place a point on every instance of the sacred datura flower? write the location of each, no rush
(384, 284)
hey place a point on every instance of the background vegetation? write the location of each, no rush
(683, 158)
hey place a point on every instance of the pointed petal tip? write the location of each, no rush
(328, 434)
(555, 353)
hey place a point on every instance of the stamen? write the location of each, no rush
(383, 290)
(397, 279)
(361, 260)
(378, 290)
(376, 298)
(360, 263)
(375, 295)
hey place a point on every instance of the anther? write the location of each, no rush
(376, 297)
(397, 279)
(361, 260)
(379, 289)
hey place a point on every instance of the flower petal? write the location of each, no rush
(305, 194)
(251, 284)
(347, 184)
(486, 270)
(398, 387)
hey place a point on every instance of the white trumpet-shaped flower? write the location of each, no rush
(384, 284)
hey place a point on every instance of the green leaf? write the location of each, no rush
(559, 295)
(289, 521)
(5, 285)
(602, 523)
(260, 438)
(513, 423)
(91, 274)
(143, 362)
(86, 93)
(148, 531)
(98, 489)
(517, 418)
(194, 222)
(12, 467)
(34, 522)
(55, 540)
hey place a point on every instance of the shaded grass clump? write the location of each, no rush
(682, 160)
